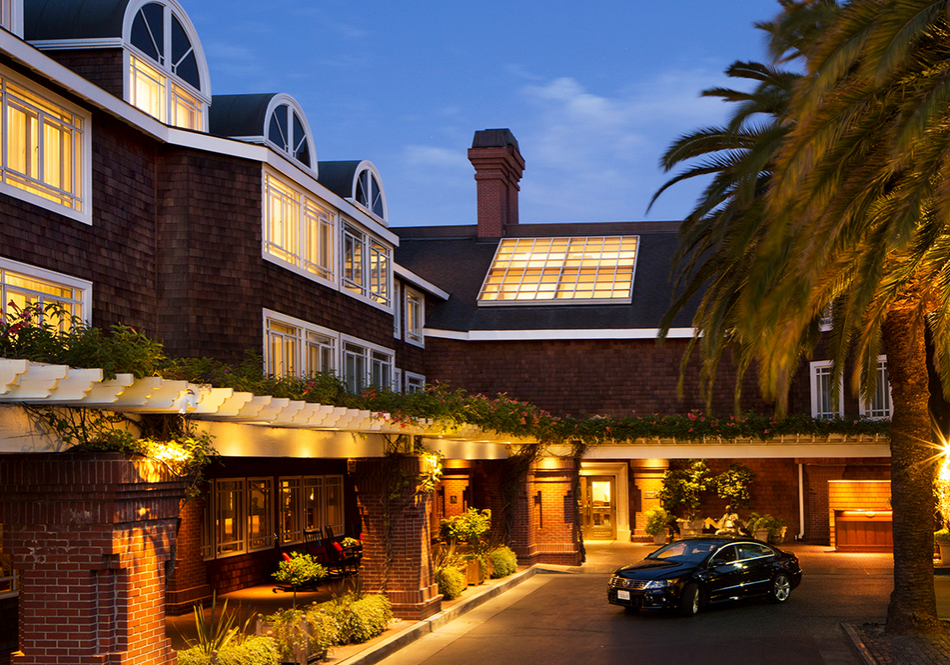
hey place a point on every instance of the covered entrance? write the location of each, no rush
(598, 508)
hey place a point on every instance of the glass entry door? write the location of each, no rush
(598, 508)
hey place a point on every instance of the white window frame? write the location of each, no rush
(290, 505)
(370, 356)
(264, 527)
(238, 543)
(80, 130)
(879, 412)
(311, 221)
(299, 341)
(414, 308)
(11, 16)
(295, 141)
(172, 87)
(369, 274)
(817, 370)
(414, 383)
(83, 301)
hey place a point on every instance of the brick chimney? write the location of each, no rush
(498, 168)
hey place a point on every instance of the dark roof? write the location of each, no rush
(452, 258)
(73, 19)
(338, 176)
(239, 115)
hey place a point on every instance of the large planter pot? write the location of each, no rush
(779, 537)
(944, 546)
(761, 534)
(473, 573)
(659, 539)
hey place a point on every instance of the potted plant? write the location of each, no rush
(657, 524)
(942, 541)
(767, 528)
(682, 491)
(299, 570)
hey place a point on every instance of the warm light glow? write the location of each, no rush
(561, 269)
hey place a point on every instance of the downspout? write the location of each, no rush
(801, 501)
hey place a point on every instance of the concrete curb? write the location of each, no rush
(407, 636)
(859, 644)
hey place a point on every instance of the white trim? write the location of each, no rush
(75, 44)
(366, 165)
(408, 276)
(304, 326)
(864, 406)
(813, 368)
(82, 285)
(16, 18)
(408, 292)
(277, 100)
(539, 335)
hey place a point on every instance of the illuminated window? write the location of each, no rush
(24, 285)
(296, 348)
(297, 229)
(9, 578)
(290, 514)
(415, 316)
(323, 503)
(45, 147)
(366, 266)
(822, 405)
(561, 270)
(365, 366)
(229, 516)
(260, 533)
(879, 407)
(165, 77)
(287, 133)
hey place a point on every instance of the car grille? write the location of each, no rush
(623, 583)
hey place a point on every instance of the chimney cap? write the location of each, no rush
(495, 138)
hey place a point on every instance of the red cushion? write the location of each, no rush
(337, 546)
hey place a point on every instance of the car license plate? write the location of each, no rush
(623, 595)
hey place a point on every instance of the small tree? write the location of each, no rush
(683, 488)
(469, 528)
(299, 570)
(733, 485)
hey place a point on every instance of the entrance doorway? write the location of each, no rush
(598, 508)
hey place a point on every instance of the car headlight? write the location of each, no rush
(658, 584)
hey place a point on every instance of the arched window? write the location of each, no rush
(287, 132)
(369, 194)
(167, 70)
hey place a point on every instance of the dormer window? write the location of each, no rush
(166, 67)
(286, 131)
(368, 192)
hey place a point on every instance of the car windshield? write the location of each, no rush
(684, 550)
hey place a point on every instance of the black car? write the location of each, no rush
(690, 573)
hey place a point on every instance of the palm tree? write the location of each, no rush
(719, 238)
(859, 215)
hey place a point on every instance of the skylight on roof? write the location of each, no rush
(561, 270)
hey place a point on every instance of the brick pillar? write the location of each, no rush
(411, 586)
(817, 527)
(552, 503)
(498, 168)
(647, 481)
(188, 582)
(90, 535)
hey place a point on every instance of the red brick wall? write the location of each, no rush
(549, 504)
(188, 582)
(78, 604)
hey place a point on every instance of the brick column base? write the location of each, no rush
(90, 535)
(410, 584)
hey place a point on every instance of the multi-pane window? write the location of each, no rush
(561, 270)
(415, 316)
(44, 146)
(229, 515)
(9, 579)
(24, 286)
(260, 533)
(297, 229)
(879, 406)
(369, 194)
(164, 73)
(364, 366)
(366, 266)
(822, 404)
(286, 131)
(291, 500)
(296, 348)
(415, 383)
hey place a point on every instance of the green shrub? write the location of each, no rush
(504, 561)
(451, 582)
(361, 619)
(469, 528)
(658, 521)
(251, 651)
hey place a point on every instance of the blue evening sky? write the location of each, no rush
(594, 92)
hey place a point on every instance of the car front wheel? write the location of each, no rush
(781, 588)
(689, 600)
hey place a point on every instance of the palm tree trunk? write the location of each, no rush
(913, 605)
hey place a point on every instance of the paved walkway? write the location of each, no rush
(869, 639)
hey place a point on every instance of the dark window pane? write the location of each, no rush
(278, 127)
(187, 69)
(142, 38)
(303, 153)
(361, 191)
(180, 43)
(377, 198)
